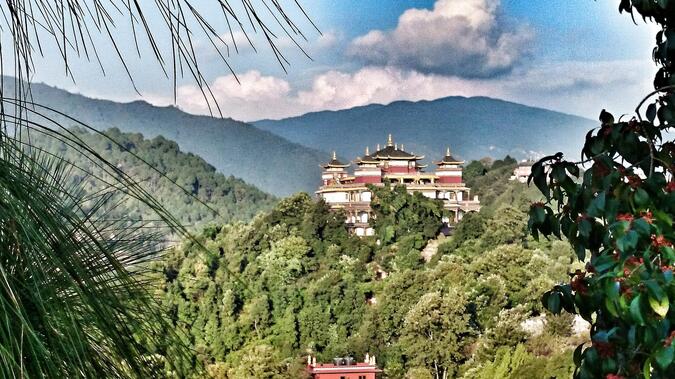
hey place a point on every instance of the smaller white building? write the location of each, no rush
(522, 172)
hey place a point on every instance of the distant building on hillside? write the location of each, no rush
(523, 171)
(349, 191)
(343, 368)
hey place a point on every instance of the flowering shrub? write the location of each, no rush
(618, 217)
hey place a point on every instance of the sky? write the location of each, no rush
(576, 57)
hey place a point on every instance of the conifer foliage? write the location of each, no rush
(618, 217)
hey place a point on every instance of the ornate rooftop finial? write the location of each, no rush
(367, 151)
(396, 146)
(334, 156)
(402, 149)
(378, 147)
(390, 141)
(447, 152)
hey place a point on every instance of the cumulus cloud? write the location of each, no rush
(256, 94)
(466, 38)
(573, 87)
(327, 39)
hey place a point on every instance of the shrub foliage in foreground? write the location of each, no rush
(618, 216)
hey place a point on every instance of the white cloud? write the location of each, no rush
(257, 94)
(582, 88)
(466, 38)
(327, 40)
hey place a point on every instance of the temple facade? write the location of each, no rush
(348, 191)
(343, 368)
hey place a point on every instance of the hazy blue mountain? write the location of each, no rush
(473, 127)
(263, 159)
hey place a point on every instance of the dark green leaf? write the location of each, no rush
(664, 356)
(651, 112)
(636, 311)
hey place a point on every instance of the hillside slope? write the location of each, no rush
(231, 198)
(473, 127)
(235, 148)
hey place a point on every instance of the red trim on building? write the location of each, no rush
(355, 371)
(449, 179)
(368, 179)
(399, 170)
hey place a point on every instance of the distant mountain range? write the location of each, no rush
(282, 157)
(263, 159)
(473, 128)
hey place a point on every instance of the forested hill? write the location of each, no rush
(235, 148)
(473, 127)
(263, 295)
(232, 198)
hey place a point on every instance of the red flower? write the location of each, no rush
(624, 217)
(634, 181)
(634, 261)
(670, 187)
(660, 240)
(669, 340)
(622, 170)
(648, 217)
(578, 282)
(614, 376)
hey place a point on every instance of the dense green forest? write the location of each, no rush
(262, 295)
(155, 164)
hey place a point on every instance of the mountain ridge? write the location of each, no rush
(474, 127)
(422, 101)
(236, 148)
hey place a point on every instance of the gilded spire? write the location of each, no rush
(447, 152)
(402, 149)
(367, 151)
(390, 141)
(378, 147)
(334, 156)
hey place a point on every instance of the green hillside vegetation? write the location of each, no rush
(262, 159)
(231, 198)
(293, 282)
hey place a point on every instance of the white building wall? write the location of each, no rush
(449, 173)
(335, 197)
(377, 172)
(398, 163)
(429, 194)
